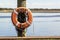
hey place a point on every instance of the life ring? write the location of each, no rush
(16, 22)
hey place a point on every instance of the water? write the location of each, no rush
(44, 24)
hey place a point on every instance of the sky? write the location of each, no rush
(8, 3)
(43, 4)
(31, 3)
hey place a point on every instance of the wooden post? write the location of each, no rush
(21, 3)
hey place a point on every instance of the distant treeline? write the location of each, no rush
(29, 8)
(44, 9)
(6, 8)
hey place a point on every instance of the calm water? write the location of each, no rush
(44, 24)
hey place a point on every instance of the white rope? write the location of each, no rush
(15, 12)
(17, 23)
(28, 22)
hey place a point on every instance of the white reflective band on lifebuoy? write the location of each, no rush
(17, 23)
(28, 22)
(26, 11)
(15, 12)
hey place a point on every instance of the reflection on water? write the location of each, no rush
(44, 24)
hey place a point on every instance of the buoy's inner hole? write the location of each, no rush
(21, 17)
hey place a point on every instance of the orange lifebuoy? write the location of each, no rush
(15, 14)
